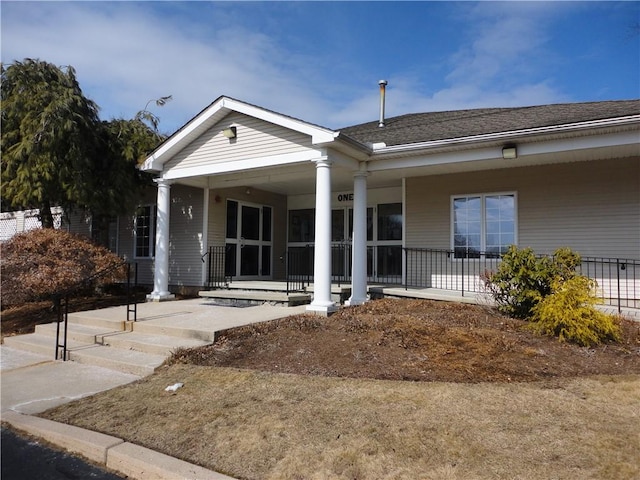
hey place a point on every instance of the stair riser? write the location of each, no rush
(115, 325)
(137, 346)
(174, 332)
(141, 371)
(19, 344)
(71, 335)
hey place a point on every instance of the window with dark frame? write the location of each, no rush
(145, 231)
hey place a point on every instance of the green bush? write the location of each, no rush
(40, 263)
(569, 313)
(523, 279)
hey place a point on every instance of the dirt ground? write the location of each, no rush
(416, 340)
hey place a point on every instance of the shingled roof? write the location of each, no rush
(424, 127)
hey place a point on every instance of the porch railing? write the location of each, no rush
(618, 279)
(216, 258)
(299, 268)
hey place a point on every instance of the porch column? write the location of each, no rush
(161, 272)
(322, 302)
(359, 241)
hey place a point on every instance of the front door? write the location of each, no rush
(249, 236)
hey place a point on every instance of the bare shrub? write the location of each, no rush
(40, 263)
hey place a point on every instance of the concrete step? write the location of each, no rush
(107, 319)
(77, 332)
(255, 297)
(127, 361)
(41, 344)
(173, 331)
(149, 343)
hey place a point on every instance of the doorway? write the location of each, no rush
(248, 241)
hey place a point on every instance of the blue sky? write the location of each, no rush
(321, 61)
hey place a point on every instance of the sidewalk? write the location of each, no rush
(32, 383)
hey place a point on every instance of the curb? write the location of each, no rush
(123, 457)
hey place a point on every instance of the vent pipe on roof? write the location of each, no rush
(383, 84)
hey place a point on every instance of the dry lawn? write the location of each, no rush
(261, 423)
(257, 425)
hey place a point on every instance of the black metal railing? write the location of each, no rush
(218, 275)
(61, 301)
(447, 269)
(618, 279)
(299, 268)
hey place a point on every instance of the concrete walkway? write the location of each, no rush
(32, 383)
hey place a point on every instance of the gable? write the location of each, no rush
(255, 139)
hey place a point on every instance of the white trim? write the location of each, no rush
(509, 135)
(243, 165)
(205, 232)
(218, 110)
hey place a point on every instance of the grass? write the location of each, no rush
(261, 425)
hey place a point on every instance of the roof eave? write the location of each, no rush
(382, 150)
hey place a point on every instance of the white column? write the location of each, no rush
(204, 239)
(322, 302)
(161, 273)
(359, 241)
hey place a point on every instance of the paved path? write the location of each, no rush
(32, 383)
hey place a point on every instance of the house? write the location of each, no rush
(408, 200)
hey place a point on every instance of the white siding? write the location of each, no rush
(255, 139)
(591, 207)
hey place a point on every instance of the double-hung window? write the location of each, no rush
(145, 231)
(483, 224)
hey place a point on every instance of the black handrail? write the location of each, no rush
(217, 275)
(299, 268)
(61, 301)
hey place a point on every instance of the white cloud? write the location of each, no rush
(128, 53)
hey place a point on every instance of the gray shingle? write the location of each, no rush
(424, 127)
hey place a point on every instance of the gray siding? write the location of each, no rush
(126, 241)
(591, 207)
(186, 236)
(256, 139)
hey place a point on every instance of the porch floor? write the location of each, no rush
(267, 290)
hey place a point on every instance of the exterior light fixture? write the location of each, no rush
(230, 132)
(509, 152)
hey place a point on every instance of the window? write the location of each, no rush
(483, 224)
(390, 221)
(145, 231)
(302, 225)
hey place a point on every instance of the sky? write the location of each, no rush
(321, 61)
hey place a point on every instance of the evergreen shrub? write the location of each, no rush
(523, 279)
(569, 313)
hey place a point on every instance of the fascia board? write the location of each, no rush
(505, 136)
(214, 113)
(495, 152)
(165, 151)
(318, 134)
